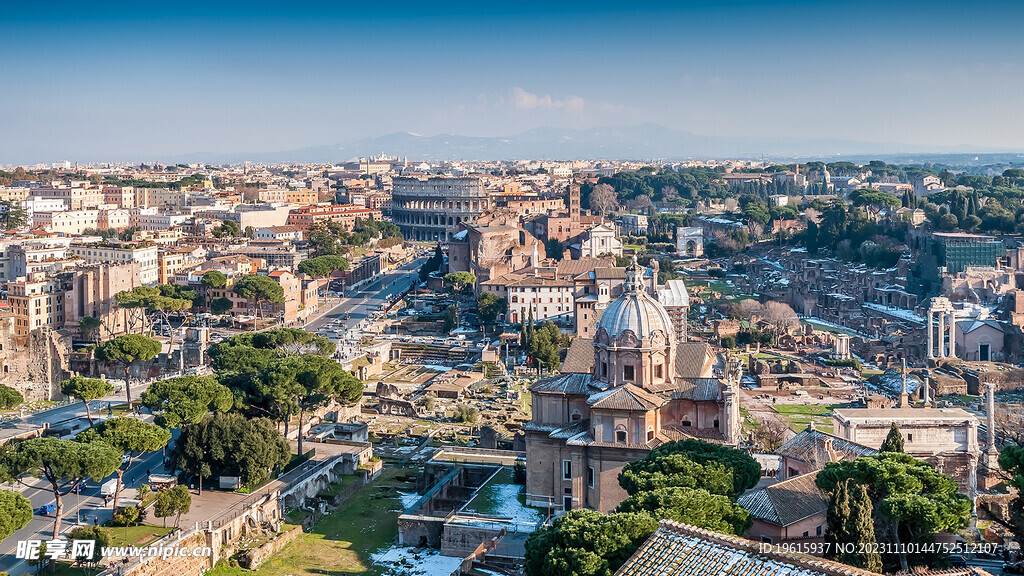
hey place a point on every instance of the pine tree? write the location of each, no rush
(838, 519)
(861, 529)
(894, 441)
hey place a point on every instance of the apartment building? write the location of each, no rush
(76, 197)
(72, 222)
(293, 233)
(13, 193)
(160, 198)
(121, 196)
(30, 257)
(345, 214)
(36, 301)
(145, 254)
(116, 219)
(545, 298)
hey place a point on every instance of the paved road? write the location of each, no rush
(363, 302)
(84, 506)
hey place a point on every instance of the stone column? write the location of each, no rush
(990, 414)
(904, 400)
(952, 334)
(942, 334)
(926, 391)
(931, 335)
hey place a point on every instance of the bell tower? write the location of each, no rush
(574, 202)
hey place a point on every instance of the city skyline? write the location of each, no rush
(139, 82)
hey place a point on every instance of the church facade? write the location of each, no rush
(643, 389)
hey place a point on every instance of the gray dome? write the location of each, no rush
(635, 310)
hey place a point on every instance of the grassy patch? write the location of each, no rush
(342, 542)
(136, 535)
(800, 415)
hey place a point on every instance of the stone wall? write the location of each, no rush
(252, 558)
(34, 365)
(460, 540)
(185, 566)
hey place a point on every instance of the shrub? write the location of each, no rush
(127, 516)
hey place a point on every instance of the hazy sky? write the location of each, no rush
(149, 80)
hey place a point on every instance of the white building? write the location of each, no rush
(546, 298)
(279, 233)
(145, 254)
(600, 239)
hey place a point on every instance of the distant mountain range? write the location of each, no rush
(643, 142)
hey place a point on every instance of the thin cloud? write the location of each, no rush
(523, 100)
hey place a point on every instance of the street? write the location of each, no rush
(83, 508)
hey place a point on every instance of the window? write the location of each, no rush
(566, 469)
(818, 530)
(604, 369)
(766, 539)
(657, 371)
(650, 435)
(627, 372)
(620, 436)
(910, 437)
(575, 415)
(806, 534)
(590, 480)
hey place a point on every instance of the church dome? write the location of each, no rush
(635, 311)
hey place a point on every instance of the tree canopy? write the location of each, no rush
(61, 463)
(893, 440)
(459, 280)
(259, 288)
(586, 543)
(692, 464)
(214, 279)
(15, 512)
(694, 506)
(323, 266)
(911, 501)
(232, 445)
(172, 502)
(186, 400)
(129, 435)
(489, 306)
(9, 397)
(127, 350)
(86, 390)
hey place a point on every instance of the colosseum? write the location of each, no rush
(432, 209)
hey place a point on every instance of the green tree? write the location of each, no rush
(127, 350)
(213, 279)
(692, 464)
(136, 301)
(312, 382)
(61, 463)
(433, 264)
(450, 318)
(490, 307)
(9, 397)
(861, 529)
(88, 326)
(893, 441)
(86, 390)
(837, 519)
(459, 280)
(911, 501)
(1011, 461)
(173, 502)
(694, 506)
(186, 400)
(258, 289)
(323, 266)
(231, 445)
(131, 436)
(221, 305)
(15, 512)
(586, 543)
(101, 539)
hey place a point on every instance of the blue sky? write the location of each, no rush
(150, 80)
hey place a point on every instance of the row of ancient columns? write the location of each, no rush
(940, 349)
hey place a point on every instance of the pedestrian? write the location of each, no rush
(95, 520)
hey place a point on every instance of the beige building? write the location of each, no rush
(117, 219)
(71, 223)
(145, 254)
(76, 197)
(121, 196)
(945, 437)
(90, 292)
(641, 390)
(37, 302)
